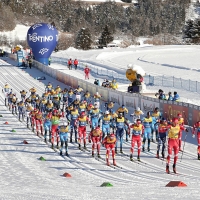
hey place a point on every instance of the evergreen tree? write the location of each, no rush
(83, 39)
(106, 36)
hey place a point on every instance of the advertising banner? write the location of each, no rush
(74, 82)
(195, 114)
(172, 110)
(131, 101)
(147, 105)
(115, 97)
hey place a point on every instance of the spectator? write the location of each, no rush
(75, 64)
(176, 97)
(104, 83)
(170, 97)
(23, 62)
(114, 85)
(97, 82)
(87, 72)
(70, 63)
(30, 62)
(107, 83)
(49, 60)
(161, 95)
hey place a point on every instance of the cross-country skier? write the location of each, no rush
(63, 131)
(156, 116)
(162, 133)
(49, 106)
(173, 143)
(82, 122)
(55, 120)
(70, 96)
(21, 110)
(196, 129)
(136, 114)
(120, 127)
(78, 92)
(97, 98)
(29, 108)
(122, 110)
(136, 130)
(109, 105)
(147, 123)
(72, 117)
(23, 94)
(109, 142)
(47, 126)
(106, 121)
(94, 114)
(95, 136)
(39, 123)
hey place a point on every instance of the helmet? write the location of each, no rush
(65, 123)
(107, 112)
(138, 121)
(138, 109)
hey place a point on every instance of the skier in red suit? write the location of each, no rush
(87, 72)
(95, 136)
(109, 143)
(82, 122)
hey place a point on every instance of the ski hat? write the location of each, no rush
(138, 109)
(65, 124)
(95, 106)
(50, 101)
(107, 112)
(123, 106)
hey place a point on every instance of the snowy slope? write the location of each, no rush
(21, 168)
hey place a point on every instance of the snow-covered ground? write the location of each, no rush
(179, 61)
(23, 176)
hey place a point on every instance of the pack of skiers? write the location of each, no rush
(59, 115)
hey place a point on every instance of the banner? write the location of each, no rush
(131, 101)
(115, 97)
(147, 105)
(172, 110)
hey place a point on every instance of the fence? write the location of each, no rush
(165, 81)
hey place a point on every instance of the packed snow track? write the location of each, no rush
(24, 176)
